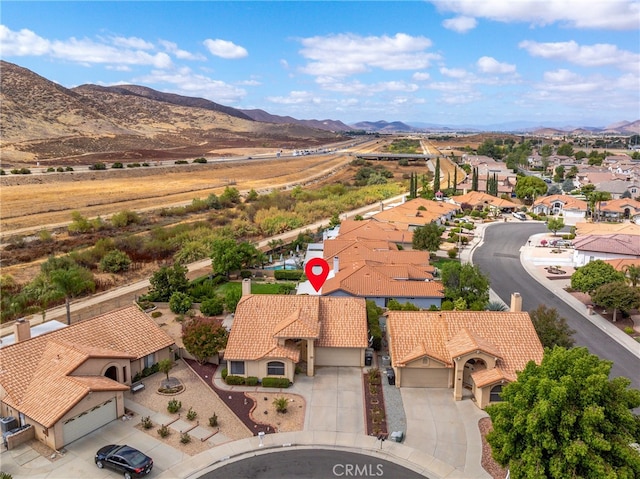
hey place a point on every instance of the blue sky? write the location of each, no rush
(454, 62)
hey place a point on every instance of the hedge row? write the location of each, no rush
(288, 275)
(268, 382)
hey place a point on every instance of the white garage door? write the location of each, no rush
(338, 356)
(89, 421)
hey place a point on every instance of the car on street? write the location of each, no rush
(520, 216)
(124, 459)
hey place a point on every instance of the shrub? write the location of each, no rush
(51, 169)
(174, 406)
(163, 431)
(115, 261)
(181, 162)
(200, 160)
(68, 168)
(98, 166)
(453, 252)
(245, 273)
(281, 404)
(224, 373)
(629, 330)
(191, 414)
(146, 422)
(251, 381)
(232, 380)
(274, 382)
(288, 275)
(156, 314)
(117, 165)
(213, 420)
(213, 306)
(180, 303)
(185, 438)
(373, 376)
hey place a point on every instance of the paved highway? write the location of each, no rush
(499, 258)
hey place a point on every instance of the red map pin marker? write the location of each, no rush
(317, 270)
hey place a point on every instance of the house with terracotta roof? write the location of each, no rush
(417, 212)
(69, 382)
(583, 229)
(570, 207)
(477, 351)
(374, 230)
(620, 209)
(272, 334)
(605, 247)
(479, 201)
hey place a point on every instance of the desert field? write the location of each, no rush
(34, 202)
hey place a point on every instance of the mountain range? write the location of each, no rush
(41, 119)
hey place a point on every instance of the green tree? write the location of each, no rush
(232, 298)
(566, 149)
(164, 366)
(225, 256)
(564, 418)
(617, 296)
(203, 338)
(567, 185)
(595, 199)
(594, 274)
(436, 176)
(166, 281)
(558, 177)
(632, 272)
(427, 237)
(552, 328)
(530, 187)
(465, 281)
(71, 283)
(212, 306)
(555, 224)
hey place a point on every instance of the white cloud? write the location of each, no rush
(295, 98)
(172, 48)
(603, 14)
(83, 51)
(364, 89)
(347, 54)
(453, 72)
(132, 42)
(491, 65)
(420, 76)
(187, 83)
(598, 55)
(225, 49)
(22, 43)
(460, 24)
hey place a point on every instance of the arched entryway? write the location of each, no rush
(471, 366)
(112, 373)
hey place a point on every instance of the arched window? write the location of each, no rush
(275, 368)
(496, 393)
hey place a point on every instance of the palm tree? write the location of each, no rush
(496, 306)
(632, 272)
(70, 283)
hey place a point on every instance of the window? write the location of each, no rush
(275, 368)
(149, 360)
(236, 368)
(496, 393)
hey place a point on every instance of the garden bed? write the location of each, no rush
(375, 413)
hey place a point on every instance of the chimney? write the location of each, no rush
(22, 330)
(336, 265)
(246, 287)
(516, 303)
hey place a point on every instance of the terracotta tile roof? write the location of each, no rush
(484, 377)
(615, 243)
(619, 206)
(568, 202)
(36, 373)
(509, 336)
(374, 230)
(583, 229)
(409, 214)
(261, 320)
(621, 263)
(477, 198)
(364, 280)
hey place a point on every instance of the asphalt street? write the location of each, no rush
(313, 464)
(499, 258)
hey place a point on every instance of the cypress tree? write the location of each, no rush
(474, 180)
(436, 177)
(455, 179)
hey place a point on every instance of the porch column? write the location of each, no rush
(457, 381)
(310, 357)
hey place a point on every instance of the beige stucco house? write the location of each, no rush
(479, 351)
(272, 334)
(69, 382)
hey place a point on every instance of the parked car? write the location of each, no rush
(124, 459)
(520, 216)
(561, 243)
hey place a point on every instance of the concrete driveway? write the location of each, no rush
(444, 428)
(334, 400)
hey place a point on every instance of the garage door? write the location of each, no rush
(425, 378)
(89, 421)
(338, 357)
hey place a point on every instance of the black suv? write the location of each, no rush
(124, 459)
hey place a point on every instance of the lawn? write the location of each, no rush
(440, 262)
(256, 288)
